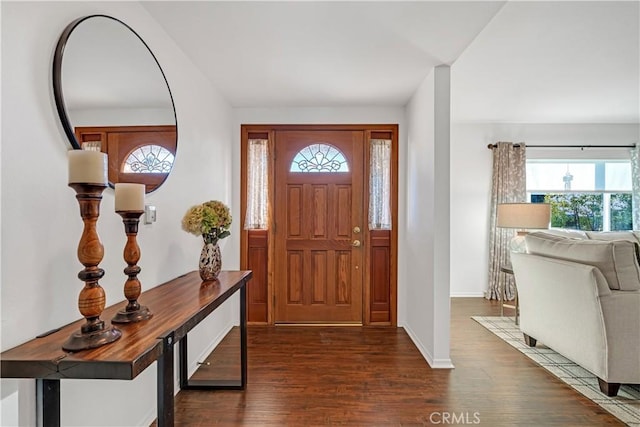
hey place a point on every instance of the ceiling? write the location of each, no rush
(525, 62)
(553, 62)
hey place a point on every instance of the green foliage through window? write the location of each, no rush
(579, 211)
(585, 211)
(621, 212)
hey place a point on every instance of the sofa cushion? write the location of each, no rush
(616, 259)
(612, 235)
(566, 232)
(550, 235)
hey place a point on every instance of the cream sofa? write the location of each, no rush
(579, 294)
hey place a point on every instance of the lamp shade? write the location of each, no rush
(524, 215)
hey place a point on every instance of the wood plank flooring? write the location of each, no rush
(317, 376)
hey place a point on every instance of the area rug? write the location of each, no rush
(625, 406)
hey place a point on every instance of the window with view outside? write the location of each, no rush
(584, 195)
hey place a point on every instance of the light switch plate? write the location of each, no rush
(149, 214)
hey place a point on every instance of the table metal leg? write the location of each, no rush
(517, 308)
(508, 273)
(502, 284)
(165, 383)
(184, 363)
(189, 384)
(243, 336)
(48, 401)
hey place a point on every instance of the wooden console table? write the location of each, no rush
(177, 307)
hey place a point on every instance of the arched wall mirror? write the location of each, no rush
(112, 95)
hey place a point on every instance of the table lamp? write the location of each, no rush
(523, 217)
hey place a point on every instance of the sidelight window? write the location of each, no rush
(380, 185)
(257, 185)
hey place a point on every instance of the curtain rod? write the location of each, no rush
(582, 147)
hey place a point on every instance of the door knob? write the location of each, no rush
(356, 243)
(356, 230)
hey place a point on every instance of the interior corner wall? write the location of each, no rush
(471, 169)
(426, 255)
(41, 225)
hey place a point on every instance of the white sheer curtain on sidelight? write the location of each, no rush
(380, 185)
(257, 216)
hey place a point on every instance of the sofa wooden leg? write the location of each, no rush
(610, 389)
(530, 341)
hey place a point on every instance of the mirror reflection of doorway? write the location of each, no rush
(327, 252)
(138, 154)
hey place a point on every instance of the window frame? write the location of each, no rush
(599, 182)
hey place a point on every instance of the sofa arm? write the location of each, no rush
(560, 306)
(622, 322)
(569, 274)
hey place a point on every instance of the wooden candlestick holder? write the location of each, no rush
(92, 298)
(134, 312)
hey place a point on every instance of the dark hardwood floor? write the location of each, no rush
(316, 376)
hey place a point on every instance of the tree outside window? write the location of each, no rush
(585, 211)
(621, 212)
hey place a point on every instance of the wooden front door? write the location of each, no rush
(318, 216)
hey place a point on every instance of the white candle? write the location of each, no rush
(87, 167)
(129, 197)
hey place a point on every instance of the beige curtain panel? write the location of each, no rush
(508, 186)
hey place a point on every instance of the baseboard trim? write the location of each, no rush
(442, 364)
(150, 417)
(467, 295)
(359, 324)
(434, 363)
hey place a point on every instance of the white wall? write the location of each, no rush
(426, 255)
(122, 117)
(41, 225)
(471, 164)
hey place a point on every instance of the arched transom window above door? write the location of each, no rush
(319, 158)
(148, 159)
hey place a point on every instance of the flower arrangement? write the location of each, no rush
(211, 220)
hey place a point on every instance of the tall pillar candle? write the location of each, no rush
(87, 167)
(129, 197)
